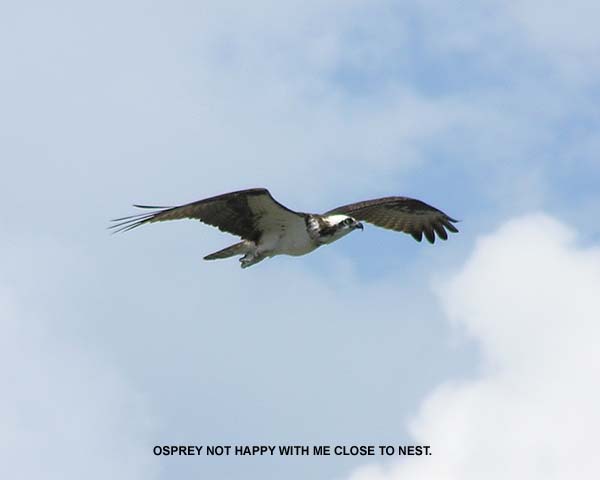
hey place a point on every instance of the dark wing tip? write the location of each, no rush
(128, 223)
(446, 222)
(429, 235)
(417, 235)
(150, 206)
(434, 228)
(440, 230)
(452, 228)
(124, 224)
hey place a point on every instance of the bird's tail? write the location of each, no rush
(237, 249)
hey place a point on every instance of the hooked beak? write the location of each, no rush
(359, 225)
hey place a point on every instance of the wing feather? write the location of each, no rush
(245, 213)
(402, 214)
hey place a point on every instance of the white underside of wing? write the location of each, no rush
(284, 232)
(293, 240)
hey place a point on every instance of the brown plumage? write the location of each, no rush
(401, 214)
(268, 228)
(229, 212)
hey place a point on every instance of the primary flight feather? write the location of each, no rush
(268, 228)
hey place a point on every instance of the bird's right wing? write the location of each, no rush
(246, 213)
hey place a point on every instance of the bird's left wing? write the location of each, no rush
(402, 214)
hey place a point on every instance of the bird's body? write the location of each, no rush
(268, 228)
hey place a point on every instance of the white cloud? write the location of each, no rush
(299, 90)
(247, 96)
(529, 296)
(201, 340)
(234, 96)
(158, 104)
(65, 413)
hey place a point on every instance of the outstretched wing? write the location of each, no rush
(246, 213)
(402, 214)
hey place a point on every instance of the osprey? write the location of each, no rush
(268, 228)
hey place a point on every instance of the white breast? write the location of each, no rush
(291, 240)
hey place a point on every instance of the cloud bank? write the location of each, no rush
(486, 109)
(529, 296)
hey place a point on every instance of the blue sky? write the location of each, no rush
(113, 344)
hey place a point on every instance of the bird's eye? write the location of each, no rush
(348, 221)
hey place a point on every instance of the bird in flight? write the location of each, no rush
(268, 228)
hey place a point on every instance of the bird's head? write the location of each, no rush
(336, 226)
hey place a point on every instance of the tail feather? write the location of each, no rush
(238, 249)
